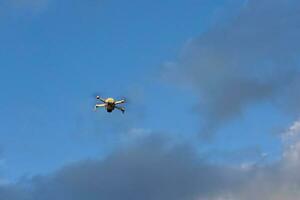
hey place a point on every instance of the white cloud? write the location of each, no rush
(291, 141)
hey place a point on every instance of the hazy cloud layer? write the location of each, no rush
(155, 168)
(251, 59)
(151, 169)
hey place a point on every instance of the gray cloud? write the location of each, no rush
(151, 169)
(157, 168)
(251, 59)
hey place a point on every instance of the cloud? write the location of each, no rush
(13, 192)
(152, 168)
(291, 140)
(159, 168)
(281, 180)
(253, 58)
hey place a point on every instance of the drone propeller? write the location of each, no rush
(96, 95)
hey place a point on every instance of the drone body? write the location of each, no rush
(109, 104)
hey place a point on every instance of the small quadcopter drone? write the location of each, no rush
(109, 104)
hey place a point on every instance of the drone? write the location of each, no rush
(109, 104)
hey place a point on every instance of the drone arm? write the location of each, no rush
(103, 100)
(120, 108)
(99, 105)
(120, 102)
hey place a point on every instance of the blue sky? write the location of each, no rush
(55, 56)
